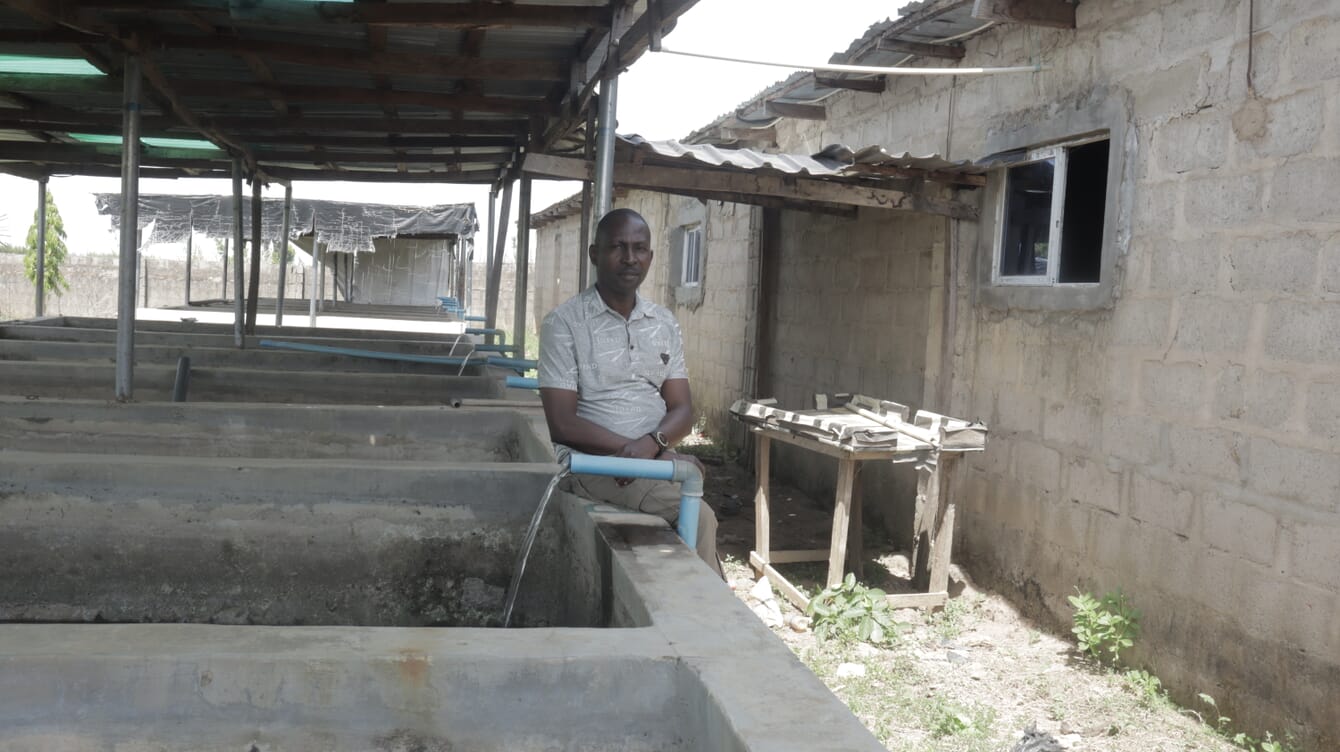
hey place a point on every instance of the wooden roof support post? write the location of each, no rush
(40, 302)
(522, 268)
(495, 273)
(254, 274)
(130, 204)
(238, 294)
(283, 253)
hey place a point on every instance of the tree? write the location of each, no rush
(55, 250)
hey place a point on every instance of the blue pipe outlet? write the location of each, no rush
(682, 471)
(499, 333)
(518, 382)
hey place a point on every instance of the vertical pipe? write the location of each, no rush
(40, 303)
(495, 272)
(584, 239)
(609, 100)
(522, 268)
(321, 283)
(488, 249)
(283, 253)
(238, 296)
(130, 204)
(225, 268)
(254, 274)
(190, 237)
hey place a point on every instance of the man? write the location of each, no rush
(613, 380)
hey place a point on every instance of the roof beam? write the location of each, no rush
(797, 110)
(155, 78)
(748, 183)
(937, 176)
(281, 130)
(421, 14)
(345, 95)
(868, 85)
(376, 60)
(921, 49)
(1059, 14)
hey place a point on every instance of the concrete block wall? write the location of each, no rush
(714, 331)
(93, 281)
(1180, 440)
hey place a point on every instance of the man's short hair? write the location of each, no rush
(615, 217)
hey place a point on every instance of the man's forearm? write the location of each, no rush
(585, 436)
(677, 423)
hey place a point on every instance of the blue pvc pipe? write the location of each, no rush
(495, 348)
(477, 319)
(518, 364)
(443, 360)
(499, 333)
(690, 479)
(518, 382)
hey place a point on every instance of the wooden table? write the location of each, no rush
(933, 524)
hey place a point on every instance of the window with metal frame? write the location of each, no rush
(691, 270)
(1052, 213)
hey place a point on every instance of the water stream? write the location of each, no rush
(526, 545)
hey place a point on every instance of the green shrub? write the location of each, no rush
(853, 611)
(1104, 628)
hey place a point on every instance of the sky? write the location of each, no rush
(660, 97)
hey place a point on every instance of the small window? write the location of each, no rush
(1052, 216)
(691, 272)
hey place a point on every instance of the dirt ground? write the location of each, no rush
(973, 676)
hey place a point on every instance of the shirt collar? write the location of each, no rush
(596, 305)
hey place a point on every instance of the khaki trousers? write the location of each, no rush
(657, 497)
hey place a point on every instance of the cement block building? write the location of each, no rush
(1146, 312)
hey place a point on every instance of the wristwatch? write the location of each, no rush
(660, 440)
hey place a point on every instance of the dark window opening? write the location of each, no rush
(1028, 207)
(1085, 204)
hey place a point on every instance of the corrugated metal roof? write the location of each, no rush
(930, 22)
(837, 160)
(354, 78)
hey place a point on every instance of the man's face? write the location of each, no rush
(622, 257)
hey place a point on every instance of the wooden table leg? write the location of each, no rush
(837, 553)
(855, 539)
(943, 532)
(762, 512)
(927, 514)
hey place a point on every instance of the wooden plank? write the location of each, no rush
(837, 557)
(374, 62)
(791, 592)
(762, 508)
(348, 95)
(942, 541)
(868, 85)
(1058, 14)
(921, 49)
(745, 182)
(917, 600)
(799, 555)
(796, 110)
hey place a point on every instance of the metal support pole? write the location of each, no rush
(283, 253)
(609, 99)
(254, 278)
(488, 247)
(495, 272)
(225, 268)
(522, 268)
(190, 236)
(321, 282)
(130, 205)
(584, 238)
(239, 297)
(40, 303)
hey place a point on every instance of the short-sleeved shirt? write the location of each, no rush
(616, 366)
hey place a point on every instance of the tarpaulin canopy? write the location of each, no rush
(343, 226)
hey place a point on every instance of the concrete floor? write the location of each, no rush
(258, 574)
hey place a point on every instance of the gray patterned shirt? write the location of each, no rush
(616, 367)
